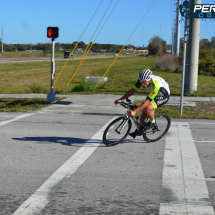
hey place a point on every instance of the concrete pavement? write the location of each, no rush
(133, 177)
(172, 98)
(98, 104)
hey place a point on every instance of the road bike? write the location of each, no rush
(119, 128)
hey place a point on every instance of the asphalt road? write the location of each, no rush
(30, 59)
(53, 162)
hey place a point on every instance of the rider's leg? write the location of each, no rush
(147, 113)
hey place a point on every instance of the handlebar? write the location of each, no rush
(128, 105)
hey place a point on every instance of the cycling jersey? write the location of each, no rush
(158, 91)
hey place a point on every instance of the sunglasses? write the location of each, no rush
(143, 82)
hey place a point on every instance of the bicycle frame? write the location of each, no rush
(131, 108)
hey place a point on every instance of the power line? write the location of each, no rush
(107, 19)
(102, 18)
(90, 20)
(141, 21)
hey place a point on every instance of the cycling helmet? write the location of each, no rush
(145, 75)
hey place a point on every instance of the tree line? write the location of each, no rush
(46, 47)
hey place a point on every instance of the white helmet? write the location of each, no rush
(145, 75)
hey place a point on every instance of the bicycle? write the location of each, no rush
(119, 128)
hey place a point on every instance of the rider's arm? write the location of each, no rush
(132, 90)
(128, 94)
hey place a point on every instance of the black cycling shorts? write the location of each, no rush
(159, 101)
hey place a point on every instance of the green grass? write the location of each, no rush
(18, 55)
(34, 77)
(23, 104)
(203, 110)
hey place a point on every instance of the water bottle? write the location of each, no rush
(137, 121)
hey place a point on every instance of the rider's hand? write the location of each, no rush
(132, 113)
(117, 101)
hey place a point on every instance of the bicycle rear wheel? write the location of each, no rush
(117, 131)
(163, 123)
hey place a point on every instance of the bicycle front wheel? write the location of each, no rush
(117, 131)
(163, 123)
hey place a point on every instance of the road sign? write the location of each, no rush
(52, 32)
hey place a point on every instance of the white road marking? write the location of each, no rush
(210, 179)
(203, 141)
(15, 118)
(183, 176)
(37, 201)
(203, 123)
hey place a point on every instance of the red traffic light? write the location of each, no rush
(52, 32)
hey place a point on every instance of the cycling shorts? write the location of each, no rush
(159, 101)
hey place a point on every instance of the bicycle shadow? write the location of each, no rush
(65, 141)
(69, 141)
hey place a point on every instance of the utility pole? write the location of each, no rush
(2, 40)
(184, 61)
(191, 75)
(173, 46)
(178, 28)
(177, 33)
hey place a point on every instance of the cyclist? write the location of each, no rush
(159, 93)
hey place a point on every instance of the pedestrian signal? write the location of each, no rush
(52, 32)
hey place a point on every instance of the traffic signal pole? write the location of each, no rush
(53, 33)
(51, 97)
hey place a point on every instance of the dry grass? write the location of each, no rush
(167, 63)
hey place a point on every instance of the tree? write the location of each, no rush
(109, 47)
(46, 47)
(21, 47)
(0, 44)
(82, 45)
(30, 46)
(156, 46)
(205, 44)
(9, 47)
(96, 47)
(169, 47)
(213, 42)
(181, 43)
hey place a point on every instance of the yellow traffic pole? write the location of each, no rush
(89, 49)
(80, 62)
(109, 67)
(65, 63)
(82, 57)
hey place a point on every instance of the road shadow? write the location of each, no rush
(67, 141)
(63, 102)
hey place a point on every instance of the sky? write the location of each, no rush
(26, 21)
